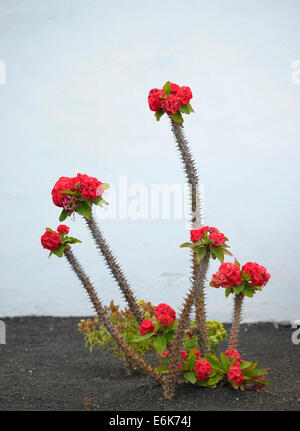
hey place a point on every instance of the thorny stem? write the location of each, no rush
(234, 334)
(196, 220)
(115, 269)
(201, 328)
(190, 171)
(104, 317)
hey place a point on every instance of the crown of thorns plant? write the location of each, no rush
(186, 350)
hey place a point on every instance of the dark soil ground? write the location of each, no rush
(45, 366)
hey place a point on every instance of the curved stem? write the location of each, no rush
(115, 269)
(104, 317)
(237, 311)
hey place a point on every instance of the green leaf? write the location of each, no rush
(214, 380)
(227, 291)
(190, 377)
(167, 88)
(158, 114)
(186, 244)
(227, 252)
(190, 107)
(237, 263)
(60, 251)
(264, 382)
(245, 364)
(201, 253)
(141, 338)
(70, 192)
(248, 291)
(177, 117)
(246, 276)
(217, 252)
(84, 209)
(185, 109)
(63, 215)
(260, 372)
(225, 362)
(212, 359)
(160, 343)
(238, 289)
(71, 240)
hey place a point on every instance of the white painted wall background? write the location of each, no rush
(77, 77)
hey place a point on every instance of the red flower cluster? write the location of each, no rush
(202, 368)
(89, 187)
(62, 228)
(215, 236)
(165, 314)
(183, 354)
(236, 375)
(229, 274)
(233, 354)
(146, 327)
(258, 273)
(60, 199)
(50, 240)
(171, 103)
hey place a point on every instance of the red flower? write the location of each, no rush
(146, 327)
(197, 353)
(233, 354)
(185, 94)
(165, 319)
(197, 233)
(218, 238)
(229, 274)
(90, 187)
(258, 273)
(179, 365)
(171, 104)
(202, 368)
(64, 183)
(174, 88)
(50, 240)
(154, 99)
(236, 375)
(165, 309)
(183, 354)
(62, 228)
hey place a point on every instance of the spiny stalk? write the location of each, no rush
(237, 311)
(115, 269)
(104, 317)
(200, 311)
(197, 220)
(190, 170)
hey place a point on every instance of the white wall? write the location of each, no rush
(75, 100)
